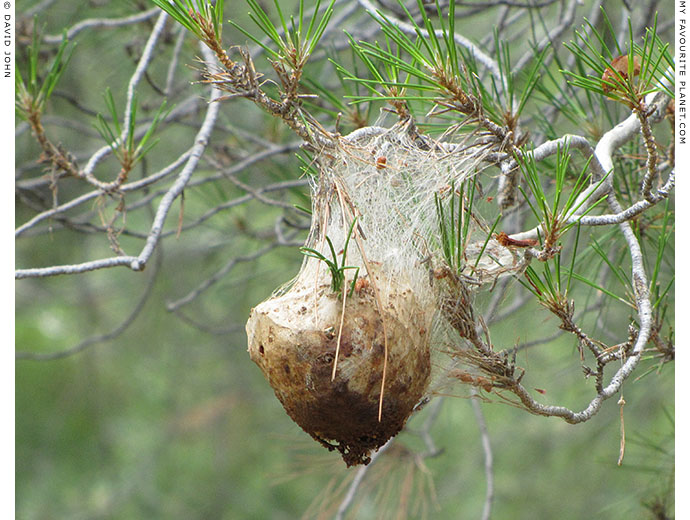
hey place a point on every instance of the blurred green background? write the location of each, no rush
(171, 420)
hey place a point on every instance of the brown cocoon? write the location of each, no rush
(293, 338)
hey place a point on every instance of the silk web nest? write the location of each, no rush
(350, 361)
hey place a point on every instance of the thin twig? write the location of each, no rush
(106, 23)
(170, 77)
(102, 338)
(200, 143)
(132, 186)
(218, 275)
(481, 57)
(139, 262)
(553, 35)
(144, 62)
(357, 481)
(602, 162)
(488, 455)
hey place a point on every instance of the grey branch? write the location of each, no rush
(95, 340)
(602, 162)
(488, 455)
(138, 263)
(481, 57)
(93, 23)
(357, 481)
(132, 186)
(200, 143)
(143, 64)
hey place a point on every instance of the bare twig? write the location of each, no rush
(481, 57)
(488, 456)
(132, 186)
(632, 211)
(170, 77)
(192, 295)
(139, 262)
(106, 23)
(357, 481)
(200, 144)
(144, 62)
(102, 338)
(553, 35)
(601, 162)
